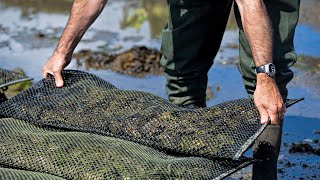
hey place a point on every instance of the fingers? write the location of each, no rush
(44, 72)
(282, 112)
(274, 116)
(54, 66)
(276, 113)
(268, 100)
(57, 76)
(58, 79)
(264, 117)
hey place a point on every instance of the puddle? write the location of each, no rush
(307, 40)
(30, 32)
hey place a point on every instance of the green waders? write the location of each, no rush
(191, 40)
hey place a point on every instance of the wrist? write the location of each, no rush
(60, 58)
(268, 69)
(61, 53)
(263, 78)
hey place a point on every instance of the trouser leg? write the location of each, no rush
(190, 42)
(284, 17)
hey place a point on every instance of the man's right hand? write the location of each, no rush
(268, 100)
(56, 63)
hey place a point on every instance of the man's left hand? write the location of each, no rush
(268, 100)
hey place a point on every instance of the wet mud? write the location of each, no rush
(309, 64)
(309, 75)
(137, 61)
(303, 147)
(302, 163)
(30, 7)
(309, 13)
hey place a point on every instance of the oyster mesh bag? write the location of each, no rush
(77, 155)
(91, 129)
(6, 173)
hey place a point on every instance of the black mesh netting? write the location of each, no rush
(8, 174)
(77, 155)
(132, 134)
(9, 77)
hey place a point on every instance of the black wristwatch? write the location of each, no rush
(269, 69)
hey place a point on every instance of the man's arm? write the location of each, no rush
(83, 14)
(257, 28)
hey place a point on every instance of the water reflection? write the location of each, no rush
(156, 13)
(139, 11)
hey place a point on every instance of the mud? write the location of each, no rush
(309, 13)
(309, 75)
(302, 147)
(315, 132)
(30, 7)
(137, 61)
(309, 63)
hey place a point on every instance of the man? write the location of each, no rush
(190, 42)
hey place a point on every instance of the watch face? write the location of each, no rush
(269, 69)
(272, 69)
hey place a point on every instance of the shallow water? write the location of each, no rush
(29, 32)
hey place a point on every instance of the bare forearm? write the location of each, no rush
(257, 28)
(83, 14)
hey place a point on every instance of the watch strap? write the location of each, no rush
(268, 69)
(261, 69)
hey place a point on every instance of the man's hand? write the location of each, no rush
(56, 63)
(268, 100)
